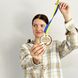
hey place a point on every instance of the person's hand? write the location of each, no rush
(65, 10)
(37, 52)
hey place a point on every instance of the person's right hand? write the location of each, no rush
(36, 52)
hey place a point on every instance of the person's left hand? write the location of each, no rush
(65, 10)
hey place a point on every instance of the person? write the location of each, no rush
(39, 61)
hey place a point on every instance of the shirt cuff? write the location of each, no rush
(70, 26)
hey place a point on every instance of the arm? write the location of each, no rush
(71, 41)
(26, 58)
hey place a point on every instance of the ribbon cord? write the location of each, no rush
(55, 11)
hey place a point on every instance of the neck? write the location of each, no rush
(37, 40)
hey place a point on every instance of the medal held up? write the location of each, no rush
(47, 39)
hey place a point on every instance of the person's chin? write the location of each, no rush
(39, 36)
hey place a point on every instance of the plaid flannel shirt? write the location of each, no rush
(50, 66)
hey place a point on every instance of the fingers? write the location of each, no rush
(36, 47)
(37, 50)
(63, 5)
(41, 53)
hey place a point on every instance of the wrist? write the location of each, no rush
(66, 21)
(36, 61)
(67, 17)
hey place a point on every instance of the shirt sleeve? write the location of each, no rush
(26, 59)
(71, 41)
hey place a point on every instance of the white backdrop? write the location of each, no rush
(15, 28)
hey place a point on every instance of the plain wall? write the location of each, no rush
(16, 28)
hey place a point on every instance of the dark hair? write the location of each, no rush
(42, 17)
